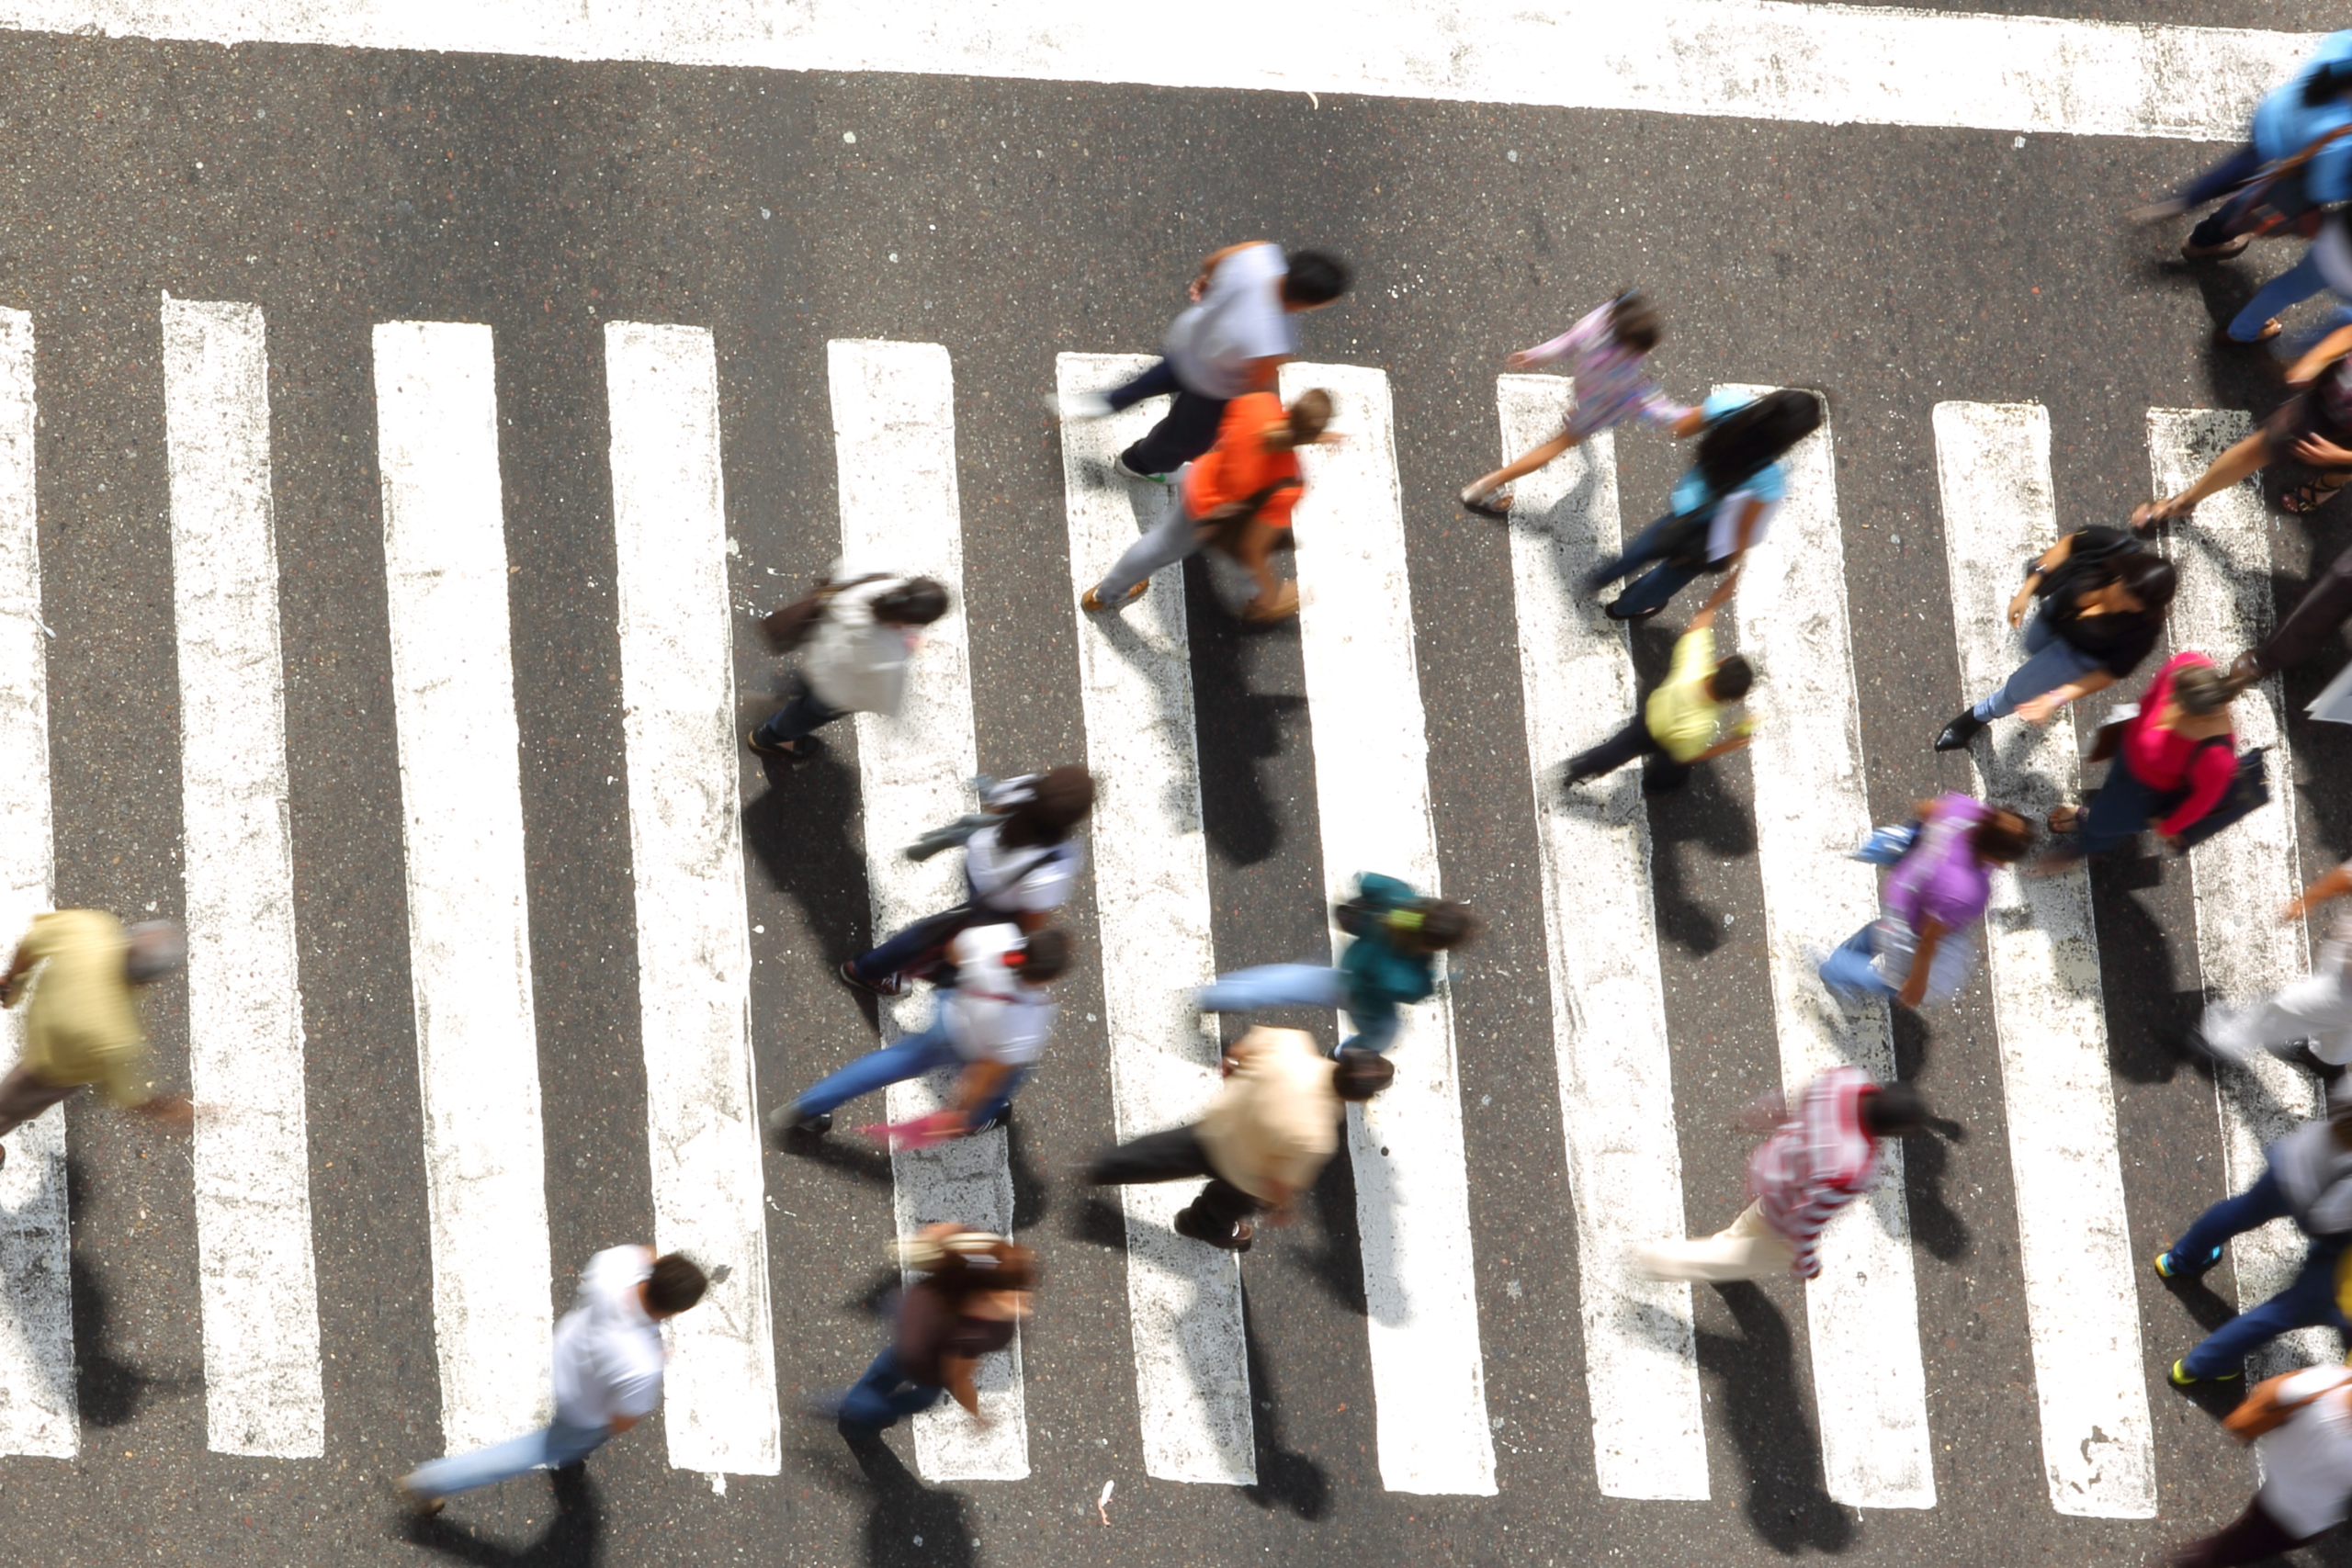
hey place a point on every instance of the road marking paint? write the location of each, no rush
(894, 443)
(1812, 808)
(469, 949)
(2075, 1244)
(1363, 700)
(1764, 60)
(1609, 1034)
(258, 1286)
(37, 1401)
(1151, 900)
(694, 955)
(2242, 877)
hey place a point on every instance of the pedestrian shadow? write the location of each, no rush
(573, 1538)
(1285, 1479)
(1032, 1192)
(2149, 1012)
(801, 831)
(1099, 1222)
(908, 1525)
(850, 1156)
(1338, 1263)
(1935, 1224)
(1238, 730)
(1702, 814)
(107, 1389)
(1788, 1505)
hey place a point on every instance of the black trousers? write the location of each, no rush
(1176, 1156)
(1661, 773)
(2255, 1537)
(1188, 430)
(2324, 607)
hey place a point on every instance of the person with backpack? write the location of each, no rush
(1021, 862)
(2174, 764)
(976, 1289)
(856, 637)
(1685, 720)
(1919, 951)
(1238, 497)
(1722, 505)
(2306, 1177)
(2300, 1426)
(1233, 340)
(1395, 935)
(2308, 1021)
(1606, 354)
(2102, 598)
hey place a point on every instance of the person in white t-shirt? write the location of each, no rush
(991, 1025)
(856, 657)
(1233, 340)
(608, 1358)
(2301, 1425)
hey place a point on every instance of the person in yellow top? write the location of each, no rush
(1686, 721)
(75, 975)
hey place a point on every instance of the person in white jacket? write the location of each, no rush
(2301, 1425)
(856, 660)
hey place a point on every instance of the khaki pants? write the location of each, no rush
(1744, 1249)
(23, 1096)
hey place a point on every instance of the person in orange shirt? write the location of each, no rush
(1235, 497)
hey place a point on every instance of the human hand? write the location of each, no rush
(2020, 605)
(1519, 359)
(2322, 454)
(1200, 287)
(2040, 709)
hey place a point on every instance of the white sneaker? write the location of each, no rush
(1079, 405)
(1119, 467)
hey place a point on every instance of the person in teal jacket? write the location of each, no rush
(1390, 963)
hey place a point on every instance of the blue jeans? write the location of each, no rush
(1849, 968)
(2119, 811)
(910, 1056)
(551, 1446)
(903, 949)
(804, 712)
(886, 1394)
(2292, 287)
(1651, 593)
(2234, 170)
(1188, 430)
(2307, 1303)
(2257, 1205)
(2051, 662)
(1299, 985)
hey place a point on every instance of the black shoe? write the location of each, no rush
(1002, 1119)
(1960, 731)
(786, 1121)
(1615, 611)
(1238, 1239)
(889, 985)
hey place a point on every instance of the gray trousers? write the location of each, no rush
(1164, 546)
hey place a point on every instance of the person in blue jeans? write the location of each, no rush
(2307, 1176)
(976, 1289)
(1920, 949)
(1722, 505)
(991, 1025)
(1390, 963)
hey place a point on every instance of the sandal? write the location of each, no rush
(2065, 818)
(1091, 601)
(2270, 329)
(2313, 494)
(2191, 251)
(2150, 516)
(1281, 607)
(1493, 504)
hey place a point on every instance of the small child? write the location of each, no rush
(1606, 354)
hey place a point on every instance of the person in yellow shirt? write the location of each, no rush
(76, 974)
(1686, 720)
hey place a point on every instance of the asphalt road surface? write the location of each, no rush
(1010, 222)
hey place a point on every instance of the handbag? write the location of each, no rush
(2248, 793)
(787, 630)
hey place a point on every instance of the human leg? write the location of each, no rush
(557, 1443)
(907, 1057)
(1653, 591)
(2314, 1008)
(24, 1095)
(2309, 1301)
(2232, 1216)
(1276, 986)
(2256, 1537)
(1165, 545)
(1849, 968)
(1173, 1155)
(1374, 1032)
(2311, 623)
(2051, 662)
(1219, 1212)
(1744, 1249)
(884, 1394)
(2218, 179)
(1188, 430)
(2118, 813)
(1632, 740)
(1158, 379)
(2290, 287)
(804, 712)
(1651, 544)
(899, 954)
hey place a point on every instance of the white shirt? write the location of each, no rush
(991, 1015)
(1239, 318)
(1043, 874)
(2307, 1463)
(607, 1351)
(854, 663)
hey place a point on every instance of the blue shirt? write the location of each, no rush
(1768, 484)
(2284, 125)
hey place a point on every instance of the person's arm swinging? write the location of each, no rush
(956, 1374)
(1914, 985)
(2039, 710)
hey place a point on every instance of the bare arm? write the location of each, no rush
(1716, 601)
(1209, 264)
(977, 1085)
(1690, 423)
(620, 1424)
(2040, 709)
(957, 1374)
(2319, 357)
(18, 968)
(2334, 885)
(1915, 987)
(2052, 559)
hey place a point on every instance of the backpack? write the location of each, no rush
(788, 628)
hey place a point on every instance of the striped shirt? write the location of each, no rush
(1613, 382)
(1818, 1161)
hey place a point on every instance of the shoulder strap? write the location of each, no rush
(2297, 160)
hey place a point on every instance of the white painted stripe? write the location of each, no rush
(470, 951)
(694, 955)
(1608, 996)
(1364, 701)
(259, 1289)
(1754, 59)
(2245, 876)
(1152, 901)
(37, 1404)
(894, 443)
(2075, 1244)
(1812, 808)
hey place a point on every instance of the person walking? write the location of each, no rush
(1394, 937)
(1722, 505)
(82, 1017)
(1606, 354)
(2102, 598)
(1686, 720)
(608, 1361)
(2300, 1426)
(2306, 1021)
(1020, 865)
(2306, 1176)
(1237, 497)
(856, 660)
(1261, 1142)
(2315, 427)
(1823, 1156)
(991, 1025)
(2174, 760)
(976, 1289)
(1920, 949)
(1232, 340)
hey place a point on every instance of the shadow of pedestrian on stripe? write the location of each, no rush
(1770, 1421)
(573, 1538)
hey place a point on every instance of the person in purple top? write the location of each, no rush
(1919, 948)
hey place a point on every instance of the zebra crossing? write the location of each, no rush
(893, 407)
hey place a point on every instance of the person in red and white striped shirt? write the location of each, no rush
(1823, 1156)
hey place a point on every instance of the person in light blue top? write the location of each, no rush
(1723, 505)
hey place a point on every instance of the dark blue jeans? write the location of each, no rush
(804, 712)
(1188, 429)
(894, 955)
(2119, 811)
(1650, 593)
(2309, 1301)
(884, 1394)
(2218, 227)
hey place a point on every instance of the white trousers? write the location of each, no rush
(2317, 1008)
(1747, 1248)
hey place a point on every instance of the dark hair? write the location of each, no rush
(1310, 416)
(1359, 1074)
(1893, 1111)
(2147, 577)
(917, 602)
(1314, 278)
(1044, 955)
(1058, 802)
(1446, 924)
(1732, 679)
(2003, 838)
(676, 1283)
(1633, 322)
(157, 948)
(1001, 1266)
(1748, 438)
(2329, 81)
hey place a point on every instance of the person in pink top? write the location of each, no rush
(1918, 950)
(2176, 760)
(1822, 1157)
